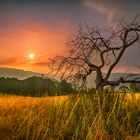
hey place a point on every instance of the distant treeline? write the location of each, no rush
(35, 86)
(38, 86)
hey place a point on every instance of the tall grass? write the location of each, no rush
(75, 117)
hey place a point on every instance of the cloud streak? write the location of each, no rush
(7, 61)
(115, 9)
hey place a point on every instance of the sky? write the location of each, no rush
(32, 31)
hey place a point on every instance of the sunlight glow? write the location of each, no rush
(31, 56)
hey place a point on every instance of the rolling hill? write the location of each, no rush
(17, 73)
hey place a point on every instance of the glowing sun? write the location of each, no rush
(31, 56)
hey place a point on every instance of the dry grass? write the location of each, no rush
(69, 117)
(11, 101)
(131, 96)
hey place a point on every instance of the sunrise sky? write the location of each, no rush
(31, 31)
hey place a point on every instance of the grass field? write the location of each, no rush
(75, 117)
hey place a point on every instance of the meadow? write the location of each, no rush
(73, 117)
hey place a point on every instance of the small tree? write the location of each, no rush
(93, 50)
(65, 88)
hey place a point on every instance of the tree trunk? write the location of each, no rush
(99, 89)
(99, 83)
(100, 96)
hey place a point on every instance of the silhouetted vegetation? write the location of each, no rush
(38, 87)
(35, 86)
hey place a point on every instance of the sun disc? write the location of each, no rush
(31, 56)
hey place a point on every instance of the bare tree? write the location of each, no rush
(99, 51)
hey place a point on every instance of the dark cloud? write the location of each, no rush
(116, 2)
(7, 61)
(38, 2)
(43, 63)
(46, 13)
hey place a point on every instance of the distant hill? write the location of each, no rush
(18, 73)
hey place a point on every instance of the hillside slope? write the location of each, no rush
(17, 73)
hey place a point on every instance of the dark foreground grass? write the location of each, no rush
(76, 117)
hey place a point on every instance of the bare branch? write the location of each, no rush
(93, 49)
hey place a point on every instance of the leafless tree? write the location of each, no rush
(95, 50)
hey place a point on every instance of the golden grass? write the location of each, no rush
(131, 96)
(21, 101)
(19, 108)
(67, 117)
